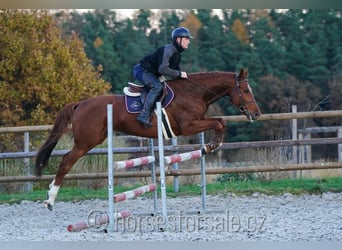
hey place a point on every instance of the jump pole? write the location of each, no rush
(134, 162)
(76, 227)
(134, 193)
(161, 164)
(203, 176)
(110, 167)
(153, 177)
(183, 157)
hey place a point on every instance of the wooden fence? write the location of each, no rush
(184, 148)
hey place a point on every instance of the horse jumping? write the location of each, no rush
(186, 115)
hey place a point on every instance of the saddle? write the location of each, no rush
(135, 96)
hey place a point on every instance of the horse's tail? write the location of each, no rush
(59, 128)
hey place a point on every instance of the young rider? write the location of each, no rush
(163, 61)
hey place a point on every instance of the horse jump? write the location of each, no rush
(104, 219)
(196, 154)
(126, 164)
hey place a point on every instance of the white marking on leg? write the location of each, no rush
(52, 183)
(52, 193)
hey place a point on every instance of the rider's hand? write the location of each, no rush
(183, 74)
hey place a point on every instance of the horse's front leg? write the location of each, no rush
(217, 140)
(217, 124)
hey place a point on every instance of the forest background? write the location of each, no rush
(51, 57)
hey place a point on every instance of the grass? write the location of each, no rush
(277, 187)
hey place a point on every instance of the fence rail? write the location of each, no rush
(286, 116)
(181, 172)
(234, 118)
(184, 148)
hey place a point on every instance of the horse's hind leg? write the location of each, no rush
(66, 164)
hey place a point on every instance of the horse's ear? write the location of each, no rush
(241, 73)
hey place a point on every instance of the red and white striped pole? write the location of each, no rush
(134, 162)
(183, 157)
(134, 193)
(76, 227)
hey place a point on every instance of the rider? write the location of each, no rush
(163, 61)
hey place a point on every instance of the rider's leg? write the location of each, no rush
(156, 90)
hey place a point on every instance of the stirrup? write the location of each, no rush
(146, 121)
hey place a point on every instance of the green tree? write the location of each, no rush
(131, 43)
(211, 41)
(267, 45)
(168, 20)
(298, 48)
(97, 33)
(278, 95)
(39, 71)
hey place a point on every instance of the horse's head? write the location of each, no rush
(243, 97)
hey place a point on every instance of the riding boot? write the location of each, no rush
(146, 114)
(145, 118)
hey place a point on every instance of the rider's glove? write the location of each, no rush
(183, 75)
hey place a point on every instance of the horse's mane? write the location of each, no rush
(199, 78)
(197, 75)
(209, 73)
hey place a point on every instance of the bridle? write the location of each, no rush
(242, 107)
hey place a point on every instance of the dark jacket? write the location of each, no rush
(164, 61)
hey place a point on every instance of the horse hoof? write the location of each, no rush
(206, 149)
(48, 205)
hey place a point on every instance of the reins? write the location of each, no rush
(242, 106)
(222, 95)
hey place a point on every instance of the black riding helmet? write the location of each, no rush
(180, 32)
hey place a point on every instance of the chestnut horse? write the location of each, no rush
(88, 119)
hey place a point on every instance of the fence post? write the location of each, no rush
(339, 135)
(28, 187)
(175, 167)
(294, 137)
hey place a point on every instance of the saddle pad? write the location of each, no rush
(134, 105)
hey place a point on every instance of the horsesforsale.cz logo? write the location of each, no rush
(97, 221)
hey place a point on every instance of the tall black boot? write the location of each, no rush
(146, 114)
(145, 118)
